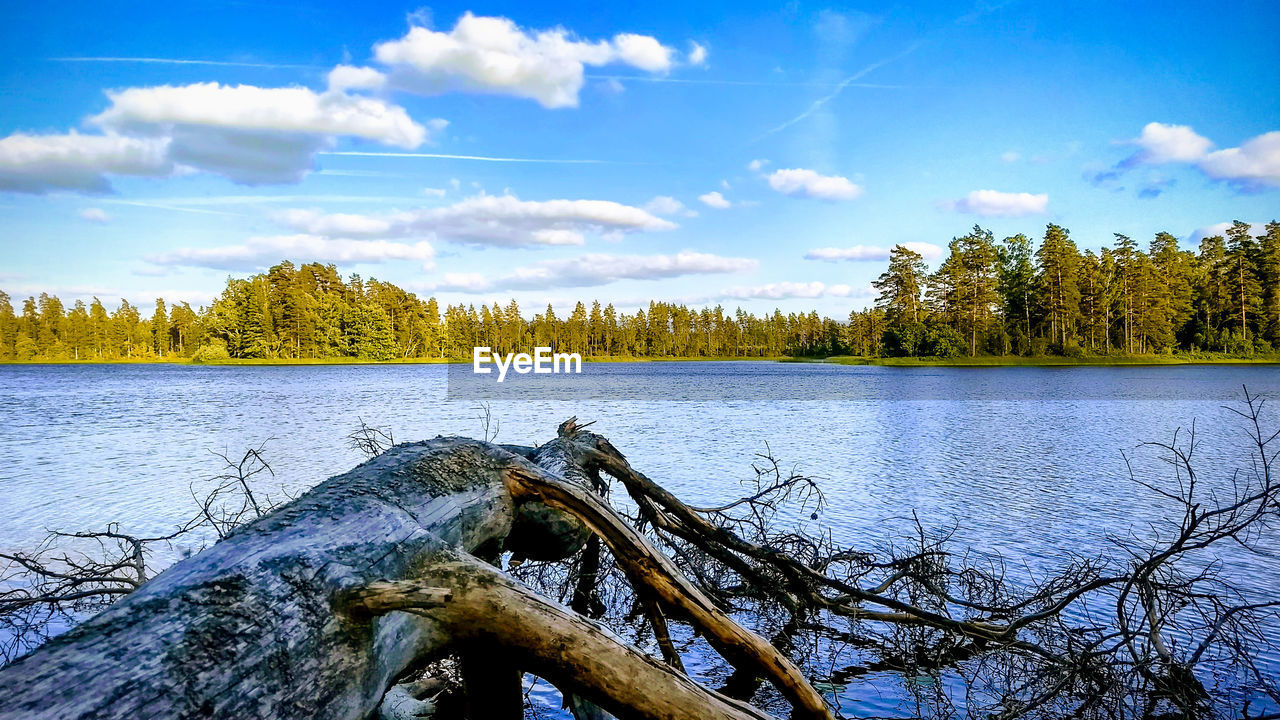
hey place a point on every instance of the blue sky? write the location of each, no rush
(745, 154)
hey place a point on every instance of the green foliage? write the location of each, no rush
(214, 352)
(984, 298)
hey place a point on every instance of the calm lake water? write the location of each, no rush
(1027, 461)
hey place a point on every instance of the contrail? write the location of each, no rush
(483, 158)
(838, 89)
(163, 206)
(181, 61)
(753, 83)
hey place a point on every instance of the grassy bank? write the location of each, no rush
(980, 361)
(357, 361)
(1050, 360)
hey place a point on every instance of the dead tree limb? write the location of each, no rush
(319, 606)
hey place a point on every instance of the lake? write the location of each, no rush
(1027, 461)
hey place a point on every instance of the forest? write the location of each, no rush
(1010, 297)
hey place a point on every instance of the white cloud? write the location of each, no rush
(757, 164)
(786, 290)
(334, 224)
(993, 203)
(494, 55)
(259, 252)
(643, 52)
(94, 215)
(1255, 229)
(249, 134)
(249, 108)
(499, 220)
(777, 291)
(697, 54)
(807, 183)
(714, 199)
(110, 296)
(1010, 156)
(255, 135)
(597, 269)
(868, 253)
(349, 77)
(40, 163)
(664, 205)
(1255, 162)
(464, 282)
(1162, 143)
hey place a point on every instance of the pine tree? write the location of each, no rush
(1126, 255)
(1057, 291)
(1246, 291)
(1211, 300)
(369, 332)
(1269, 272)
(1094, 297)
(51, 330)
(1172, 273)
(8, 328)
(160, 329)
(900, 285)
(99, 329)
(977, 287)
(1016, 281)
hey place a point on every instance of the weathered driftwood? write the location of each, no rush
(248, 627)
(316, 609)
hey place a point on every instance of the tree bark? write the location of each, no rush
(248, 627)
(317, 608)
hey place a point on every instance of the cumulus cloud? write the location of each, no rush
(597, 269)
(349, 77)
(697, 54)
(788, 290)
(110, 295)
(714, 199)
(494, 55)
(807, 183)
(249, 134)
(94, 215)
(251, 108)
(255, 135)
(259, 252)
(1255, 162)
(41, 163)
(1252, 165)
(757, 164)
(667, 205)
(643, 52)
(1160, 143)
(502, 220)
(871, 253)
(993, 203)
(1255, 229)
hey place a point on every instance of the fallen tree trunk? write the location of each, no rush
(247, 628)
(316, 609)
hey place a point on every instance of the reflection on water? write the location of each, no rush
(1027, 461)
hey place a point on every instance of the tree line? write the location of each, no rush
(311, 312)
(985, 297)
(1008, 297)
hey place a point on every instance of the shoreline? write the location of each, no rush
(1048, 361)
(980, 361)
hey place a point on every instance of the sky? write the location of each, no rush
(749, 155)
